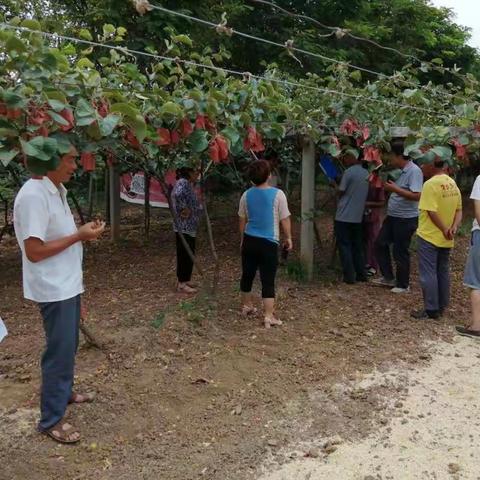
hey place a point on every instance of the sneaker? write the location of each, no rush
(466, 332)
(424, 315)
(383, 282)
(400, 290)
(371, 272)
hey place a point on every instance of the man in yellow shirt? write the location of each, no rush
(440, 215)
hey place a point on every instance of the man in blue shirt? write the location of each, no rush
(401, 221)
(353, 191)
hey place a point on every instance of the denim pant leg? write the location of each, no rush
(403, 230)
(427, 269)
(382, 248)
(345, 248)
(443, 274)
(61, 321)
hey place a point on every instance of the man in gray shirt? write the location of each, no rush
(401, 221)
(353, 191)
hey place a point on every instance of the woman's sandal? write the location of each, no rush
(269, 321)
(63, 432)
(186, 289)
(81, 398)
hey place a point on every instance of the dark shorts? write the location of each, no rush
(471, 277)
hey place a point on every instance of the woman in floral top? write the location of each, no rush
(187, 211)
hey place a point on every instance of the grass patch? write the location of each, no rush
(159, 321)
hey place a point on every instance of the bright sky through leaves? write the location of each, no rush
(467, 13)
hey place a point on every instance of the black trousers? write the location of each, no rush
(184, 262)
(397, 232)
(352, 256)
(259, 254)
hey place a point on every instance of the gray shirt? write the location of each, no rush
(410, 179)
(354, 185)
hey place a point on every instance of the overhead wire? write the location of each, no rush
(348, 33)
(290, 47)
(219, 69)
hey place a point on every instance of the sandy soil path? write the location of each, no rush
(433, 431)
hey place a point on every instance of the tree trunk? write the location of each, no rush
(90, 196)
(211, 240)
(77, 207)
(146, 177)
(107, 194)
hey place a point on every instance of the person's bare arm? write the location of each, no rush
(375, 204)
(37, 250)
(393, 187)
(456, 222)
(437, 221)
(286, 224)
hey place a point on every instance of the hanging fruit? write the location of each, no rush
(87, 159)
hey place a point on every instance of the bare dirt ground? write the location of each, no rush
(188, 389)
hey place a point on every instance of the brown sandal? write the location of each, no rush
(62, 432)
(81, 398)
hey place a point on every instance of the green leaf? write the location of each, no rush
(231, 134)
(85, 34)
(58, 118)
(13, 100)
(122, 31)
(356, 75)
(445, 153)
(84, 121)
(198, 141)
(56, 95)
(84, 109)
(108, 29)
(56, 105)
(171, 108)
(15, 44)
(85, 63)
(125, 109)
(108, 124)
(40, 147)
(185, 39)
(63, 143)
(31, 24)
(138, 125)
(6, 156)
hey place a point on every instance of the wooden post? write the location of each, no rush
(308, 206)
(114, 175)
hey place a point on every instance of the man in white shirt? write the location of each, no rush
(472, 270)
(51, 248)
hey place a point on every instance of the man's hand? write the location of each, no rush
(448, 233)
(91, 231)
(185, 213)
(288, 244)
(391, 187)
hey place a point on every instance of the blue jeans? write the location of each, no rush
(61, 322)
(434, 272)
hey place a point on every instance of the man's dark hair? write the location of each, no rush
(259, 171)
(439, 163)
(398, 147)
(184, 172)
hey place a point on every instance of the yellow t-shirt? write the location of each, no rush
(440, 194)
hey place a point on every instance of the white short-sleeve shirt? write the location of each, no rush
(476, 196)
(41, 210)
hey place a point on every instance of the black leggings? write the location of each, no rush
(184, 262)
(259, 254)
